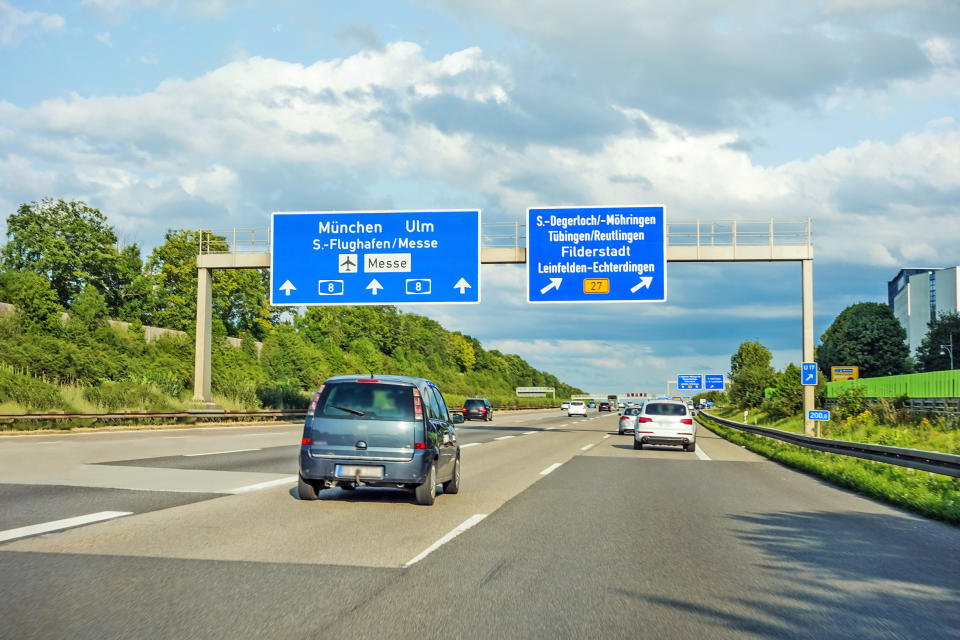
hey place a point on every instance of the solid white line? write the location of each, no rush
(216, 453)
(586, 448)
(469, 522)
(701, 454)
(47, 527)
(552, 467)
(504, 437)
(175, 437)
(528, 433)
(471, 444)
(548, 428)
(264, 485)
(606, 436)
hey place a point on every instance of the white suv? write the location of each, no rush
(665, 422)
(577, 408)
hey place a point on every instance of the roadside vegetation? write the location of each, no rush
(66, 279)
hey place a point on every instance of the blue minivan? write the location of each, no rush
(379, 430)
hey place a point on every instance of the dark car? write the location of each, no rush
(477, 409)
(384, 431)
(604, 406)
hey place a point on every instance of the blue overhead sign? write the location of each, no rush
(596, 254)
(821, 415)
(713, 381)
(689, 381)
(808, 373)
(375, 257)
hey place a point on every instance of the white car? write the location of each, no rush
(665, 422)
(564, 405)
(577, 408)
(628, 421)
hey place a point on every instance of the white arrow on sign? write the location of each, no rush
(645, 282)
(554, 284)
(287, 287)
(463, 285)
(374, 286)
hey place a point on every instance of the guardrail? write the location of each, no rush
(943, 463)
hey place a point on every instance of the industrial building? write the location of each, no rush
(918, 295)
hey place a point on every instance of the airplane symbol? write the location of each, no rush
(348, 263)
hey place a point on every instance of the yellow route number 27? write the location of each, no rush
(596, 285)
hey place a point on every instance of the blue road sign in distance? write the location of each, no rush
(689, 381)
(808, 373)
(596, 254)
(713, 381)
(375, 257)
(821, 415)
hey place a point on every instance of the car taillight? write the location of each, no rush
(644, 419)
(686, 421)
(419, 445)
(313, 403)
(417, 406)
(306, 442)
(484, 410)
(624, 417)
(368, 380)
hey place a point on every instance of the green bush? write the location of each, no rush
(116, 396)
(850, 402)
(31, 393)
(282, 396)
(240, 390)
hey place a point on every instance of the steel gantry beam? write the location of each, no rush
(687, 241)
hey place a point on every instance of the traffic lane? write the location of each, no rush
(710, 446)
(86, 597)
(617, 548)
(279, 460)
(371, 526)
(28, 505)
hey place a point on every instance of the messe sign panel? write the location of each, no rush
(375, 257)
(689, 381)
(808, 373)
(596, 254)
(713, 381)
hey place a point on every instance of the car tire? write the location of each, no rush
(426, 493)
(620, 431)
(452, 485)
(306, 489)
(690, 447)
(637, 444)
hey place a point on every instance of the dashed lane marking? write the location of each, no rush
(551, 468)
(466, 524)
(471, 444)
(504, 437)
(217, 453)
(701, 454)
(264, 485)
(57, 525)
(586, 448)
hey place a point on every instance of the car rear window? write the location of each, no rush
(366, 401)
(664, 409)
(631, 412)
(473, 404)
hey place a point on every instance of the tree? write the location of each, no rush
(869, 336)
(787, 399)
(750, 374)
(71, 244)
(35, 300)
(944, 330)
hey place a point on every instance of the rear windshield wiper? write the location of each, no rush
(348, 410)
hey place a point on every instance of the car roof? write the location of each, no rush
(682, 404)
(409, 380)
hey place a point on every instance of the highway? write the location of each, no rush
(561, 530)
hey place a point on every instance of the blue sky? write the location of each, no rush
(213, 113)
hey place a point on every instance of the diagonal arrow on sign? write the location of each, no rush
(644, 283)
(554, 284)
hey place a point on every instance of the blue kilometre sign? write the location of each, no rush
(375, 257)
(596, 254)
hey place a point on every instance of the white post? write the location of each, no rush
(809, 391)
(201, 360)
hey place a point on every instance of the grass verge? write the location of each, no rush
(928, 494)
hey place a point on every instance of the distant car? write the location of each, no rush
(379, 430)
(477, 409)
(564, 405)
(628, 421)
(592, 405)
(604, 406)
(665, 422)
(577, 408)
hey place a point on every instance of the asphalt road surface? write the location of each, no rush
(561, 530)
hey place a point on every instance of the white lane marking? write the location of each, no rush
(52, 442)
(701, 454)
(606, 436)
(216, 453)
(259, 435)
(586, 448)
(471, 444)
(504, 437)
(56, 525)
(264, 485)
(548, 428)
(469, 522)
(552, 467)
(175, 437)
(528, 433)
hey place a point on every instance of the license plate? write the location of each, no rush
(353, 471)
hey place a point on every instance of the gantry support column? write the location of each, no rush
(201, 359)
(809, 391)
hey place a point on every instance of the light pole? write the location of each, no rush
(948, 348)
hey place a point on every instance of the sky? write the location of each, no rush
(214, 113)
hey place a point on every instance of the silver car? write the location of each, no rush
(665, 422)
(628, 421)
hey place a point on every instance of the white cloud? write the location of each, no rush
(104, 38)
(16, 24)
